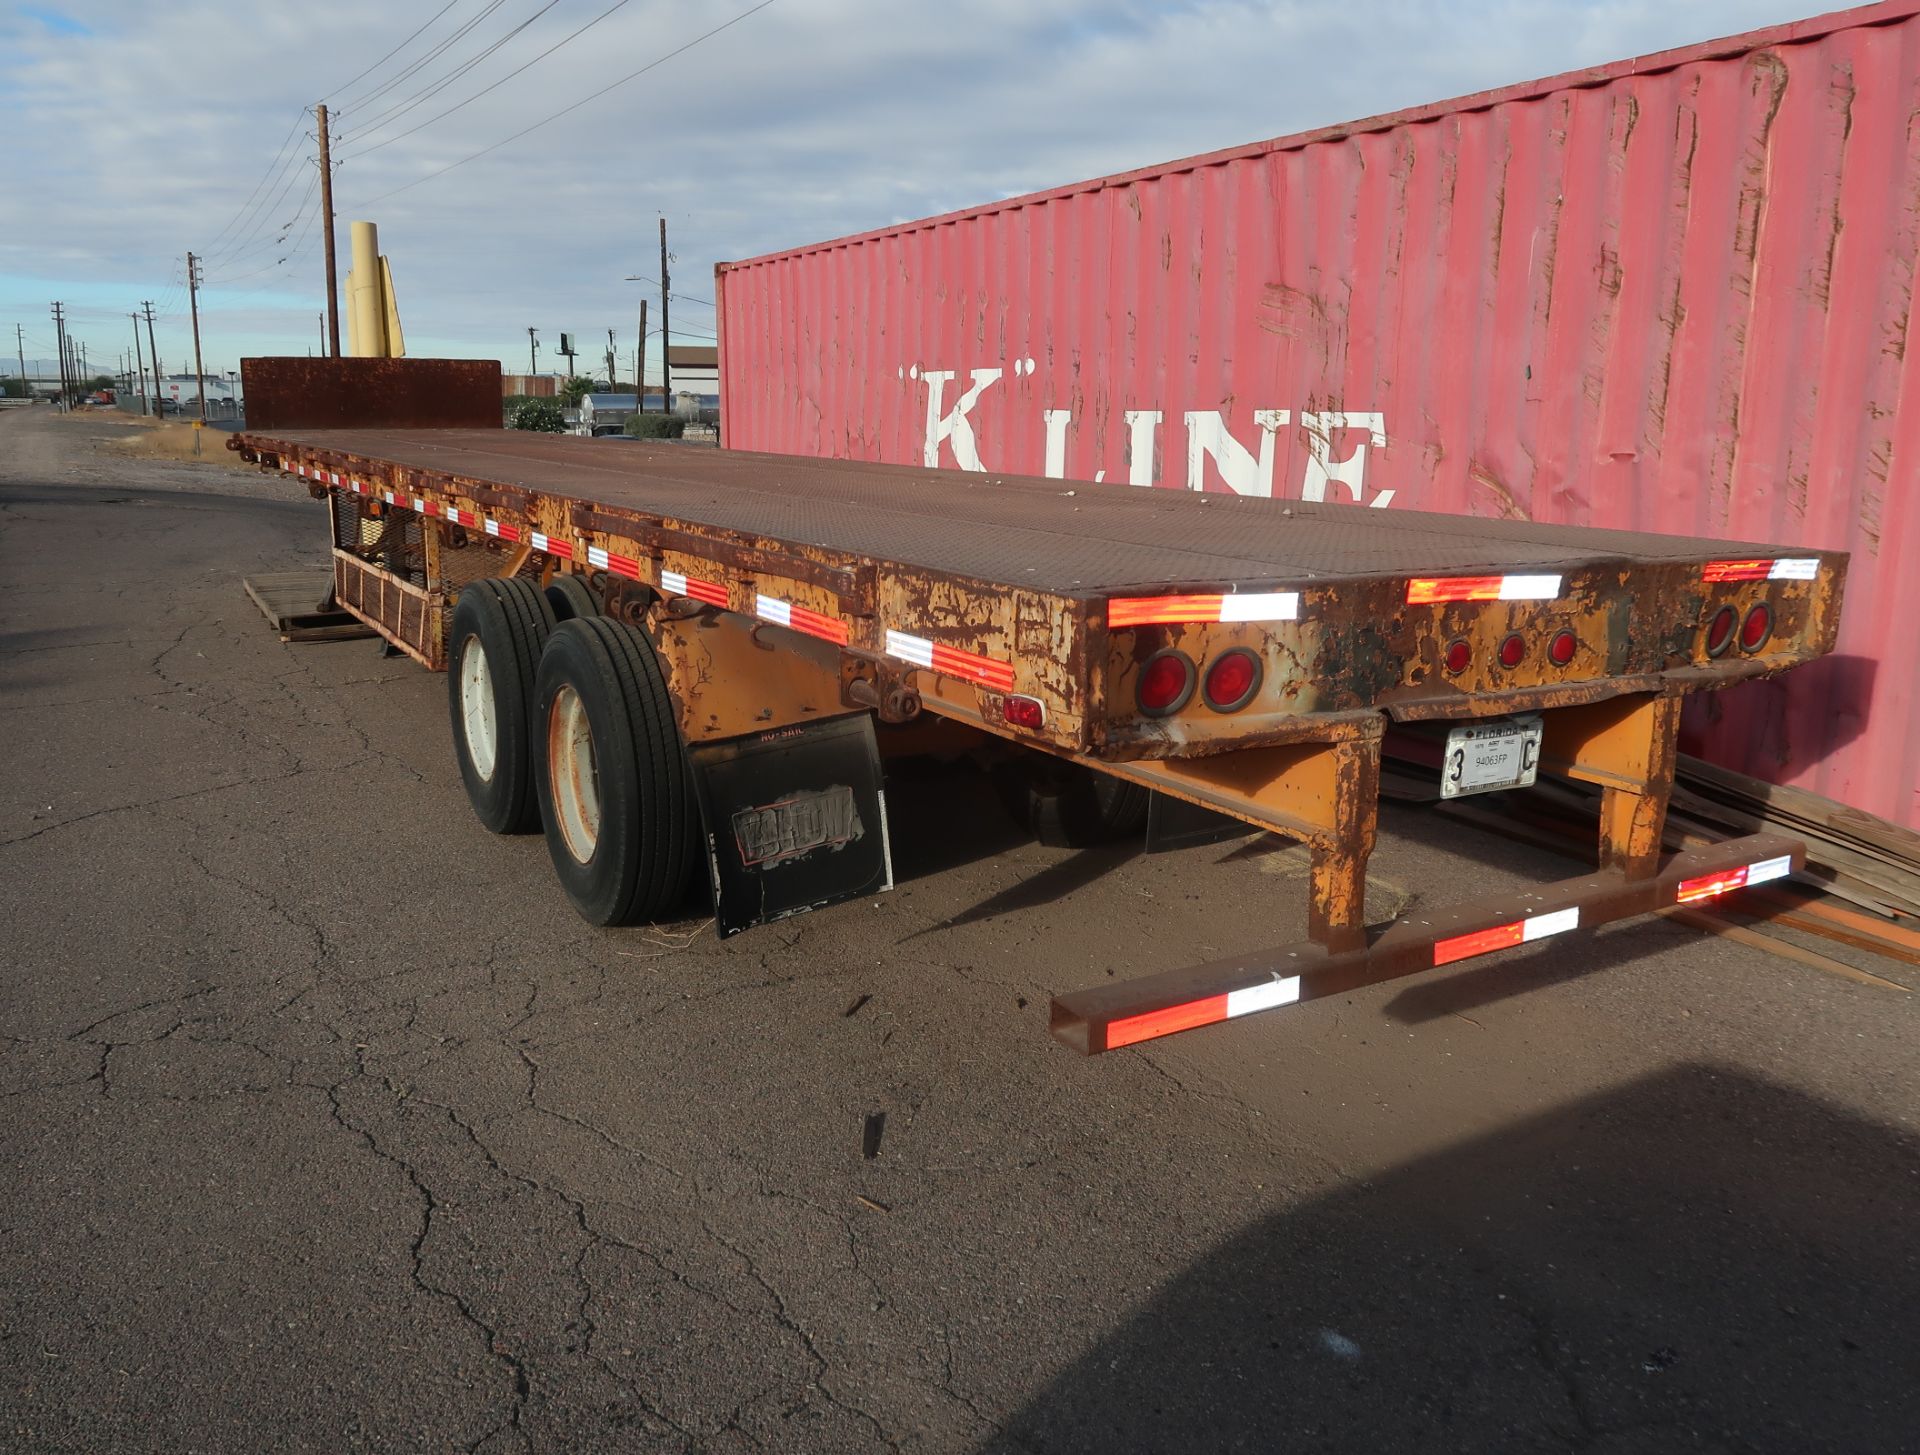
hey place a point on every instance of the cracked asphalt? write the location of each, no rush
(327, 1125)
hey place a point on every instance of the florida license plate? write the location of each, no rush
(1485, 756)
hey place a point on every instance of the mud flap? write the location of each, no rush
(795, 819)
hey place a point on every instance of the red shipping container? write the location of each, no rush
(1669, 294)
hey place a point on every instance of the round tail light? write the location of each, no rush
(1561, 649)
(1166, 682)
(1459, 655)
(1232, 680)
(1755, 630)
(1513, 650)
(1720, 632)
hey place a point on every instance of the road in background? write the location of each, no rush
(328, 1124)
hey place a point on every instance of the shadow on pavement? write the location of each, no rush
(1698, 1261)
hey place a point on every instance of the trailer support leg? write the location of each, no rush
(1627, 746)
(1337, 889)
(1325, 793)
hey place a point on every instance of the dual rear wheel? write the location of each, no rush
(567, 725)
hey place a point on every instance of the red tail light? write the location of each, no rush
(1561, 649)
(1166, 682)
(1513, 650)
(1459, 655)
(1758, 626)
(1720, 632)
(1026, 712)
(1232, 680)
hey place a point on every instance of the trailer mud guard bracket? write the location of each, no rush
(1107, 1017)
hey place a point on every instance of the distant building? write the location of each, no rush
(184, 389)
(695, 368)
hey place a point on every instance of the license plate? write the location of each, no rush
(1485, 756)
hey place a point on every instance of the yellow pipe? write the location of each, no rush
(366, 308)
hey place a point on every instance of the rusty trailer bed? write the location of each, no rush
(1088, 621)
(1067, 538)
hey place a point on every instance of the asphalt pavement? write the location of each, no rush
(328, 1126)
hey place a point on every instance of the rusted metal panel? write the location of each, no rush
(1012, 585)
(1666, 295)
(332, 393)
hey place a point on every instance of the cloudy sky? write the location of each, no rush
(132, 132)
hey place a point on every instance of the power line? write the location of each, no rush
(239, 247)
(426, 60)
(568, 110)
(618, 4)
(263, 179)
(284, 231)
(677, 297)
(396, 50)
(399, 109)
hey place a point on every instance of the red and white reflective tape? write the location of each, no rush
(785, 613)
(425, 507)
(1782, 568)
(458, 516)
(1281, 990)
(1125, 611)
(549, 546)
(501, 529)
(1430, 590)
(693, 588)
(951, 661)
(613, 562)
(1707, 886)
(1520, 932)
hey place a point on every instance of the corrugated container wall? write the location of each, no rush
(1670, 294)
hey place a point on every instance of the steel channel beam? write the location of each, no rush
(1105, 1017)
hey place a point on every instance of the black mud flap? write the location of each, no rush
(796, 819)
(1173, 823)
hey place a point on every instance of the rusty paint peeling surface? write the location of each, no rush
(1668, 295)
(1007, 584)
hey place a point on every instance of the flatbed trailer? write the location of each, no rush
(681, 646)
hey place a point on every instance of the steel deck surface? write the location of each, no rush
(1062, 536)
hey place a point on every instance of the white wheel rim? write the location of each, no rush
(478, 716)
(574, 778)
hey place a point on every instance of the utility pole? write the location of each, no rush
(326, 221)
(666, 328)
(611, 381)
(199, 369)
(533, 357)
(153, 350)
(323, 336)
(140, 365)
(640, 362)
(20, 348)
(60, 337)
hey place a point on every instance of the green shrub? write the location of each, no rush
(656, 426)
(542, 416)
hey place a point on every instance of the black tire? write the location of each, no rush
(1067, 806)
(635, 864)
(507, 623)
(571, 597)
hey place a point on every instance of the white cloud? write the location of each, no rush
(811, 119)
